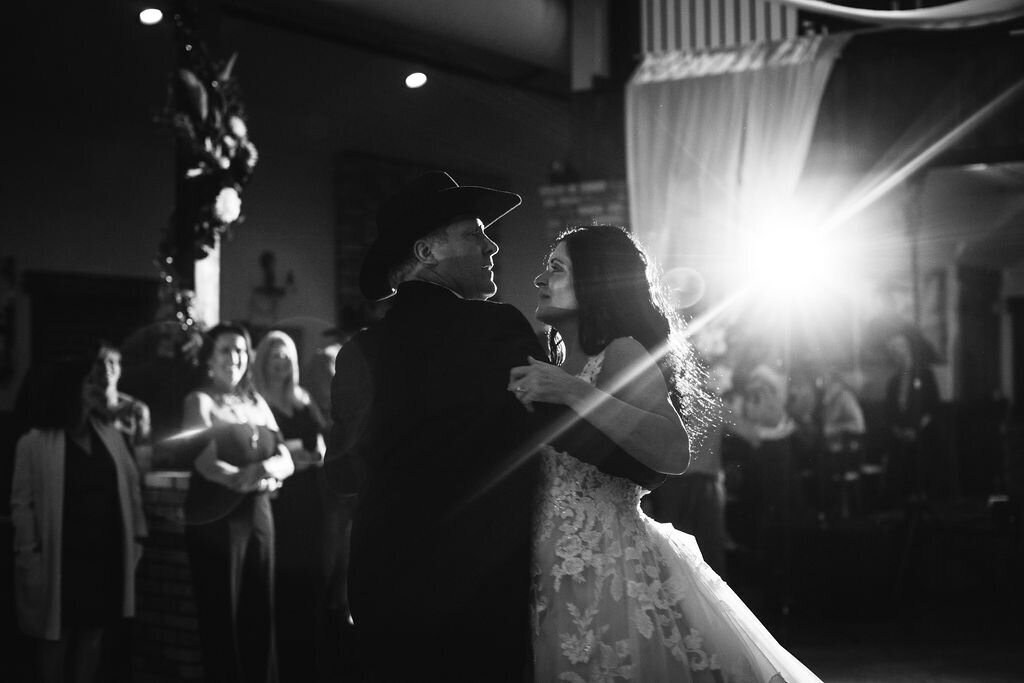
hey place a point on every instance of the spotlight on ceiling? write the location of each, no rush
(415, 80)
(150, 16)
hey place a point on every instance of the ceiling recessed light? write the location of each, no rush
(415, 80)
(150, 16)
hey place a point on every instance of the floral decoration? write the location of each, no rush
(216, 155)
(215, 158)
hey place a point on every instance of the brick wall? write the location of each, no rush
(585, 203)
(165, 640)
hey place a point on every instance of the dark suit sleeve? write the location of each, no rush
(351, 398)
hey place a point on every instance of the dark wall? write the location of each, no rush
(892, 90)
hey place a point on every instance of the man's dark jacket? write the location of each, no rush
(440, 545)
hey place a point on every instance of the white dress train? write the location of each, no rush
(618, 596)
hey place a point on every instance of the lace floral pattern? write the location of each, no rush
(608, 604)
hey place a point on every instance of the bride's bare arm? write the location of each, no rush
(629, 404)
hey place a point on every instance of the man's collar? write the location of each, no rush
(432, 285)
(425, 287)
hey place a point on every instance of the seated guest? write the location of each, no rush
(77, 515)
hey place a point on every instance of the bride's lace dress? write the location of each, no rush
(620, 597)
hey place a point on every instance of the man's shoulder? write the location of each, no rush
(420, 306)
(493, 309)
(488, 321)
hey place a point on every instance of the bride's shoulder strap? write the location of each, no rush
(621, 348)
(592, 368)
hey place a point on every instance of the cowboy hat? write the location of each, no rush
(431, 201)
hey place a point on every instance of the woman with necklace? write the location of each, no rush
(229, 522)
(77, 515)
(303, 549)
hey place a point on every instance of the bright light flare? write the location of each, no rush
(415, 80)
(791, 261)
(185, 434)
(150, 16)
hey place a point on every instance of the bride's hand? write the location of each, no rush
(545, 383)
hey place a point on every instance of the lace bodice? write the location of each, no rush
(591, 541)
(582, 492)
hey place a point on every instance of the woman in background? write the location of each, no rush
(127, 413)
(77, 515)
(303, 551)
(229, 529)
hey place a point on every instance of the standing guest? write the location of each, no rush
(77, 515)
(128, 414)
(339, 500)
(763, 392)
(618, 596)
(439, 579)
(812, 469)
(319, 371)
(131, 417)
(843, 428)
(303, 550)
(841, 414)
(772, 483)
(229, 531)
(803, 406)
(911, 402)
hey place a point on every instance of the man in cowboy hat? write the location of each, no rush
(439, 574)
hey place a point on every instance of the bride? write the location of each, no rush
(616, 595)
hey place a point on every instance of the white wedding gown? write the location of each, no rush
(620, 597)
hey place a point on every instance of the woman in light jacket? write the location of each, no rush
(77, 514)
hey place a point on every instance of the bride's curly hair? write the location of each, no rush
(619, 293)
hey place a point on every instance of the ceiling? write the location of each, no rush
(521, 43)
(527, 44)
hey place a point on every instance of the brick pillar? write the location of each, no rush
(166, 629)
(586, 203)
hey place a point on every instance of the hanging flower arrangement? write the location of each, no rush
(216, 155)
(215, 159)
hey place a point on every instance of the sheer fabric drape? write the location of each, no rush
(953, 15)
(715, 141)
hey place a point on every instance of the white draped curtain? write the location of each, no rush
(717, 141)
(951, 15)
